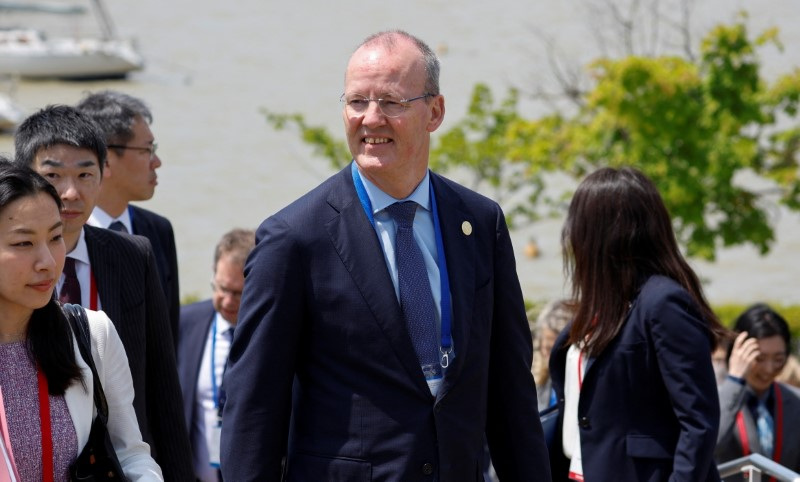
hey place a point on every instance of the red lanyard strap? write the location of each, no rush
(742, 428)
(47, 432)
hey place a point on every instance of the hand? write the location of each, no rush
(745, 350)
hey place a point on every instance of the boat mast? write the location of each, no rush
(106, 26)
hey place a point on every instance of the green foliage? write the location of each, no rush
(325, 145)
(693, 126)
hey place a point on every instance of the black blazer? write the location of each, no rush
(193, 332)
(158, 230)
(648, 408)
(131, 295)
(321, 337)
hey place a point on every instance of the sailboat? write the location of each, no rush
(10, 113)
(28, 52)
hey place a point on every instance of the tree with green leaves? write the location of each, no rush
(700, 127)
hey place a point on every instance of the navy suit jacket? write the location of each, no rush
(130, 293)
(196, 320)
(648, 408)
(321, 337)
(159, 231)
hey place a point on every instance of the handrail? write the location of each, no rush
(755, 465)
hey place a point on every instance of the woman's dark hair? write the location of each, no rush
(761, 321)
(617, 233)
(49, 337)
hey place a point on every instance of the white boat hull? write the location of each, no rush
(67, 57)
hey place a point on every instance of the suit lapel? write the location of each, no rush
(357, 244)
(459, 252)
(108, 279)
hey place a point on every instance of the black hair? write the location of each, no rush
(761, 321)
(115, 113)
(58, 124)
(618, 232)
(49, 337)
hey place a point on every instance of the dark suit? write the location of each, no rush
(158, 230)
(196, 320)
(321, 335)
(648, 408)
(130, 293)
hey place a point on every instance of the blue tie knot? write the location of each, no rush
(403, 213)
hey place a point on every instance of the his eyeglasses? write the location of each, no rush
(357, 104)
(226, 291)
(150, 149)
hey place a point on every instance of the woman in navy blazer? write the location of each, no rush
(632, 372)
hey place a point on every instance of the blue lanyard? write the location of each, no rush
(446, 347)
(130, 215)
(213, 363)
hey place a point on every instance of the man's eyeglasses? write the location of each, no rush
(237, 295)
(150, 149)
(356, 104)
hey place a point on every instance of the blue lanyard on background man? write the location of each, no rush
(446, 347)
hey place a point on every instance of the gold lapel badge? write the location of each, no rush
(466, 227)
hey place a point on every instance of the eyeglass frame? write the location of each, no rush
(406, 103)
(235, 294)
(152, 149)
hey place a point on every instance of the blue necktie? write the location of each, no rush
(416, 299)
(118, 227)
(765, 426)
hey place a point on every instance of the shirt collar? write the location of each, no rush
(81, 252)
(222, 323)
(102, 219)
(380, 200)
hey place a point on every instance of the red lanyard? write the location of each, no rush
(47, 432)
(740, 425)
(580, 372)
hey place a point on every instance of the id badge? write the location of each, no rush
(433, 377)
(214, 444)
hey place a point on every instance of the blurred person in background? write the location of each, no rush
(204, 340)
(549, 322)
(758, 414)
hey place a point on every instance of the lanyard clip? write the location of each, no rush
(445, 358)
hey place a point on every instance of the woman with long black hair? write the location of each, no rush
(47, 387)
(632, 372)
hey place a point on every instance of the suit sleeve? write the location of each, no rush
(514, 432)
(732, 398)
(262, 359)
(174, 302)
(112, 363)
(683, 350)
(164, 399)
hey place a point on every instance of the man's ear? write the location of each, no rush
(437, 113)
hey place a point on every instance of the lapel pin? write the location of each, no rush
(466, 227)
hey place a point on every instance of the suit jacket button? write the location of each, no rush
(427, 468)
(583, 422)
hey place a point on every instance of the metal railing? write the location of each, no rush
(755, 466)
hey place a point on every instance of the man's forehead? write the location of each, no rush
(62, 156)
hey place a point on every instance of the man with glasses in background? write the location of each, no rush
(382, 313)
(204, 339)
(130, 175)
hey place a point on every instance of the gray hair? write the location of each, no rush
(389, 39)
(115, 113)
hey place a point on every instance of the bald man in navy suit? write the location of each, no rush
(328, 338)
